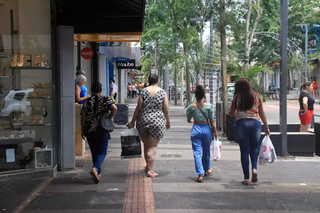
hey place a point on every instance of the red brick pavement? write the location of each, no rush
(139, 191)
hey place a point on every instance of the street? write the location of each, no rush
(272, 111)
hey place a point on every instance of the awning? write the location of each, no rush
(97, 21)
(110, 37)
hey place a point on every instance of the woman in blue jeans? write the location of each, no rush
(93, 108)
(201, 115)
(248, 108)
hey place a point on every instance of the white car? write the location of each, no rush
(16, 101)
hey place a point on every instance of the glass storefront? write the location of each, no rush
(26, 130)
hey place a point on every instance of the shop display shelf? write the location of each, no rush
(45, 124)
(30, 68)
(4, 76)
(41, 97)
(4, 56)
(15, 141)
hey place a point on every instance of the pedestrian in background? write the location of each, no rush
(134, 92)
(152, 116)
(306, 102)
(92, 110)
(315, 87)
(201, 115)
(113, 89)
(248, 108)
(80, 89)
(129, 87)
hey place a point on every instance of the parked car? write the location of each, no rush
(230, 89)
(16, 101)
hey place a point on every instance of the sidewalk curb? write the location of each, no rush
(33, 194)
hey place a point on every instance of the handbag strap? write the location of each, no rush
(206, 118)
(203, 114)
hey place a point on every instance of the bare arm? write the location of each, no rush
(166, 111)
(232, 107)
(136, 112)
(113, 109)
(263, 116)
(214, 128)
(78, 98)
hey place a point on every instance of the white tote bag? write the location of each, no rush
(267, 153)
(216, 149)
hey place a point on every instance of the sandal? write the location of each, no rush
(94, 175)
(208, 172)
(254, 178)
(245, 182)
(200, 179)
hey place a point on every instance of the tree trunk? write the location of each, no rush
(197, 77)
(249, 34)
(246, 38)
(224, 63)
(185, 50)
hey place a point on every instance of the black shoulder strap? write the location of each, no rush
(203, 114)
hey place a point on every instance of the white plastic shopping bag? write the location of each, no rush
(216, 149)
(267, 153)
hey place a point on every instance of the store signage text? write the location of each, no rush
(123, 59)
(87, 53)
(126, 65)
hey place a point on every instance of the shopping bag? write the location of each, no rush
(130, 144)
(216, 149)
(267, 153)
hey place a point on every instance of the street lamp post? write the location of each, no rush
(175, 72)
(283, 81)
(211, 51)
(306, 26)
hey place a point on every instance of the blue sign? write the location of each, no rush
(123, 59)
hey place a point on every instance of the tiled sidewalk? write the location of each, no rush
(139, 192)
(286, 186)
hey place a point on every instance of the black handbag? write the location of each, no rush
(106, 124)
(207, 121)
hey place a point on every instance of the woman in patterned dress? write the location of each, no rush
(93, 108)
(152, 116)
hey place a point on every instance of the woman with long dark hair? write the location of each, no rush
(248, 108)
(152, 116)
(306, 102)
(201, 115)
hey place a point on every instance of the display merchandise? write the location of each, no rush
(26, 114)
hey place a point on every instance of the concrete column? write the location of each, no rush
(103, 74)
(166, 80)
(122, 87)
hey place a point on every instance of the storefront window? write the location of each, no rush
(26, 131)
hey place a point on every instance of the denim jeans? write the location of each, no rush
(98, 143)
(248, 133)
(201, 136)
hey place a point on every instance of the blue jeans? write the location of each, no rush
(201, 136)
(248, 133)
(98, 143)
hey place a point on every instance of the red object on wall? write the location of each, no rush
(87, 53)
(133, 76)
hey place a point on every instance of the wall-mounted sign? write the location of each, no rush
(122, 59)
(126, 65)
(87, 53)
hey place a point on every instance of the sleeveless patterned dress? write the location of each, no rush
(151, 116)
